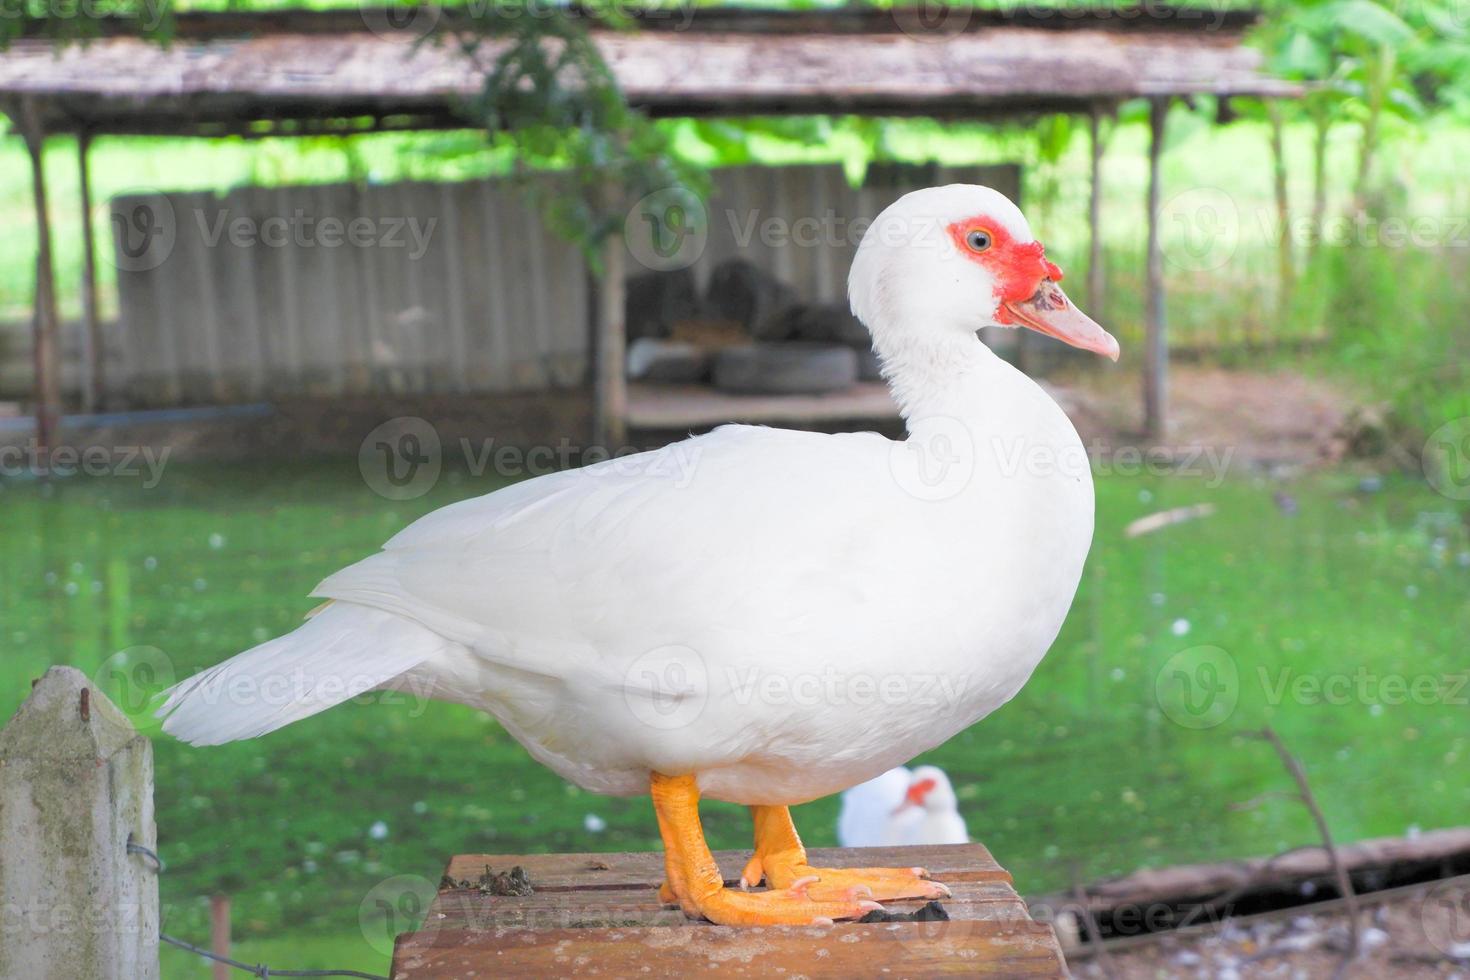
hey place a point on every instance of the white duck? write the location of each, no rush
(784, 615)
(931, 799)
(873, 813)
(901, 807)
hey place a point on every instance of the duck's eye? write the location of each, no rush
(978, 240)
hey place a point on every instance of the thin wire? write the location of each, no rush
(260, 969)
(158, 866)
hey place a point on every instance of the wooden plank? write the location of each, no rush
(600, 913)
(472, 910)
(900, 949)
(949, 863)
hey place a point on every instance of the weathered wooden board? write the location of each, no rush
(599, 914)
(898, 949)
(645, 869)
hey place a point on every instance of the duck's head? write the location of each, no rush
(930, 789)
(950, 260)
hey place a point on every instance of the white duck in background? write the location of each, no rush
(641, 626)
(873, 814)
(932, 798)
(902, 807)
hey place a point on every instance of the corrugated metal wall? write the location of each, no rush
(418, 288)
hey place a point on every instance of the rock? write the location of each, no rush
(785, 369)
(655, 301)
(749, 295)
(667, 361)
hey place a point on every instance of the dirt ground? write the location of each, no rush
(1423, 932)
(1270, 421)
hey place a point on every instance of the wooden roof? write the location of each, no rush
(303, 72)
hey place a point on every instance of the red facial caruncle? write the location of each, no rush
(1018, 267)
(1026, 290)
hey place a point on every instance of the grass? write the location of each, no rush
(1085, 772)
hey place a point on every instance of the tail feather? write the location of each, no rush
(341, 652)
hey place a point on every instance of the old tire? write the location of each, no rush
(666, 361)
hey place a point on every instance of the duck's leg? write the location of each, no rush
(780, 859)
(694, 879)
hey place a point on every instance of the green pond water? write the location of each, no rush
(1340, 617)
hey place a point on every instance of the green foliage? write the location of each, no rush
(550, 98)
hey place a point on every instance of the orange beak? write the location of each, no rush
(915, 795)
(1049, 312)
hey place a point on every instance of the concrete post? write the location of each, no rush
(76, 785)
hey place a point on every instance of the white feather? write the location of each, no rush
(338, 654)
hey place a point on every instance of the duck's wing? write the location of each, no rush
(743, 522)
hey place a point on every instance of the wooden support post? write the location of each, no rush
(610, 373)
(1156, 347)
(1094, 219)
(92, 352)
(1285, 260)
(219, 934)
(45, 322)
(76, 788)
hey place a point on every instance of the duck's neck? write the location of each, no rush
(949, 374)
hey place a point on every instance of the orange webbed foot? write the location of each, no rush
(781, 860)
(693, 879)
